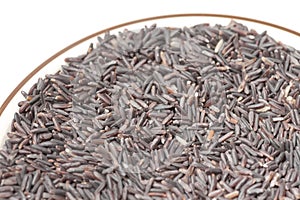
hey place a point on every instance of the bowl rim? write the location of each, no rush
(50, 59)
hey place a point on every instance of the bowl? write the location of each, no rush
(53, 64)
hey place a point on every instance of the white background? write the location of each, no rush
(31, 31)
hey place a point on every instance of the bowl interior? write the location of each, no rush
(54, 63)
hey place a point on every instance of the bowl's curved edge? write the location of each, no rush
(42, 65)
